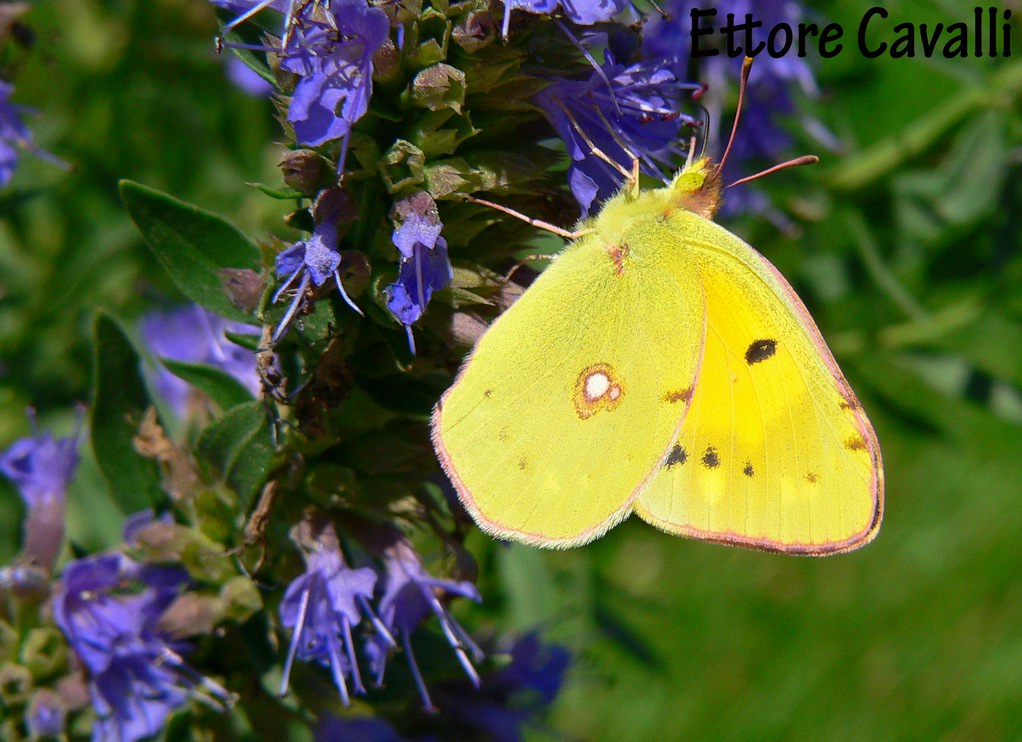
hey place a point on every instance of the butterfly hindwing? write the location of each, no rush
(570, 401)
(775, 451)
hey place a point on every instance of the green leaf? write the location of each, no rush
(239, 448)
(192, 245)
(280, 194)
(119, 401)
(220, 386)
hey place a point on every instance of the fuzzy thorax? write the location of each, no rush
(696, 188)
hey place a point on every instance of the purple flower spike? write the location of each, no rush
(409, 596)
(425, 267)
(41, 467)
(638, 116)
(109, 608)
(324, 604)
(192, 334)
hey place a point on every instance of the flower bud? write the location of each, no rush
(307, 171)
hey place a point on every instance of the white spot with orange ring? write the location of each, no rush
(596, 388)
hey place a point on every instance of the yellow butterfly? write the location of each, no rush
(661, 366)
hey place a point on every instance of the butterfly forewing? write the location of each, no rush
(775, 451)
(571, 399)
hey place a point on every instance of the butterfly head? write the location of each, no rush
(698, 188)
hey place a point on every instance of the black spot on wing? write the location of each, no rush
(760, 350)
(748, 470)
(677, 456)
(710, 459)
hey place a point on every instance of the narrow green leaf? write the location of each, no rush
(192, 245)
(239, 448)
(222, 388)
(281, 194)
(119, 401)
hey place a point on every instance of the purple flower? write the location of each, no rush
(41, 467)
(329, 44)
(316, 260)
(334, 60)
(193, 335)
(15, 136)
(424, 266)
(583, 12)
(323, 605)
(409, 596)
(511, 697)
(638, 114)
(109, 607)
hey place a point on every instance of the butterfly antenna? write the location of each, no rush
(743, 81)
(804, 160)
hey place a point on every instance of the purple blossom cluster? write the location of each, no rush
(627, 112)
(330, 599)
(109, 608)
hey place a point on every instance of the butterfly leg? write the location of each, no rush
(538, 223)
(517, 266)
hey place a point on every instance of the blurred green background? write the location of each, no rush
(909, 255)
